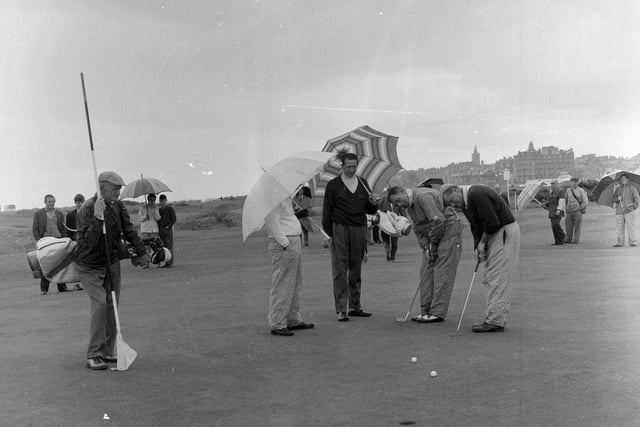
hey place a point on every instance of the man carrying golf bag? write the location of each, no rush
(101, 221)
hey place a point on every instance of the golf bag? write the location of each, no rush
(159, 254)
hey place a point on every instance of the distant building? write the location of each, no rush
(8, 208)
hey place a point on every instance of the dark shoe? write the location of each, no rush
(96, 363)
(633, 244)
(65, 290)
(359, 313)
(388, 256)
(618, 245)
(301, 325)
(342, 317)
(43, 292)
(283, 332)
(558, 244)
(110, 359)
(485, 327)
(78, 287)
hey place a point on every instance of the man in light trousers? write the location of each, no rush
(285, 249)
(625, 202)
(496, 238)
(439, 234)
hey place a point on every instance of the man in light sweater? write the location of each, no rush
(285, 249)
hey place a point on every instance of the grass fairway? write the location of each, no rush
(569, 356)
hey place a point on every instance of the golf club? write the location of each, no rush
(404, 319)
(457, 332)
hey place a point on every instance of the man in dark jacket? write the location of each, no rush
(165, 225)
(49, 222)
(100, 222)
(347, 200)
(496, 237)
(555, 206)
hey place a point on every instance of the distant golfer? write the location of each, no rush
(99, 270)
(285, 248)
(496, 237)
(439, 234)
(347, 200)
(165, 225)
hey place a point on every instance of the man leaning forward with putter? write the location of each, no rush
(100, 271)
(496, 237)
(439, 234)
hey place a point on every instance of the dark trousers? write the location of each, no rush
(348, 246)
(390, 245)
(166, 235)
(556, 228)
(44, 285)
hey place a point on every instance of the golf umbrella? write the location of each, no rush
(603, 191)
(276, 184)
(528, 193)
(142, 187)
(377, 154)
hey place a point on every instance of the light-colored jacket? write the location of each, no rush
(576, 199)
(625, 199)
(149, 217)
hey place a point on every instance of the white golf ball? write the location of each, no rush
(434, 374)
(414, 359)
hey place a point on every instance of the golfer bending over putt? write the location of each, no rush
(496, 238)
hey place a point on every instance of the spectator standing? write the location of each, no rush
(303, 207)
(390, 242)
(504, 195)
(49, 222)
(99, 270)
(496, 237)
(625, 202)
(576, 201)
(285, 248)
(347, 200)
(72, 217)
(165, 226)
(72, 225)
(555, 206)
(149, 217)
(439, 234)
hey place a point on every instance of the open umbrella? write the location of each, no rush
(276, 184)
(430, 182)
(603, 191)
(142, 187)
(528, 193)
(377, 153)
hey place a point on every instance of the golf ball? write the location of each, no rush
(414, 359)
(434, 374)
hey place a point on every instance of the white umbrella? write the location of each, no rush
(276, 184)
(528, 193)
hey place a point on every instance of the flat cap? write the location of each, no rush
(575, 179)
(111, 177)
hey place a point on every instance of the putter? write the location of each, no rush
(457, 332)
(406, 316)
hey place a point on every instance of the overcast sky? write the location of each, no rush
(203, 93)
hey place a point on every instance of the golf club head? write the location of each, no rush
(455, 334)
(401, 319)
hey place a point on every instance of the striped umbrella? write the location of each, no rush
(378, 159)
(528, 193)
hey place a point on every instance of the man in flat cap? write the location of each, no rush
(575, 206)
(101, 220)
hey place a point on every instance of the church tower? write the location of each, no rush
(475, 156)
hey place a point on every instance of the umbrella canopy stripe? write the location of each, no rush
(528, 193)
(377, 153)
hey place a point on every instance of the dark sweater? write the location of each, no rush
(486, 211)
(344, 207)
